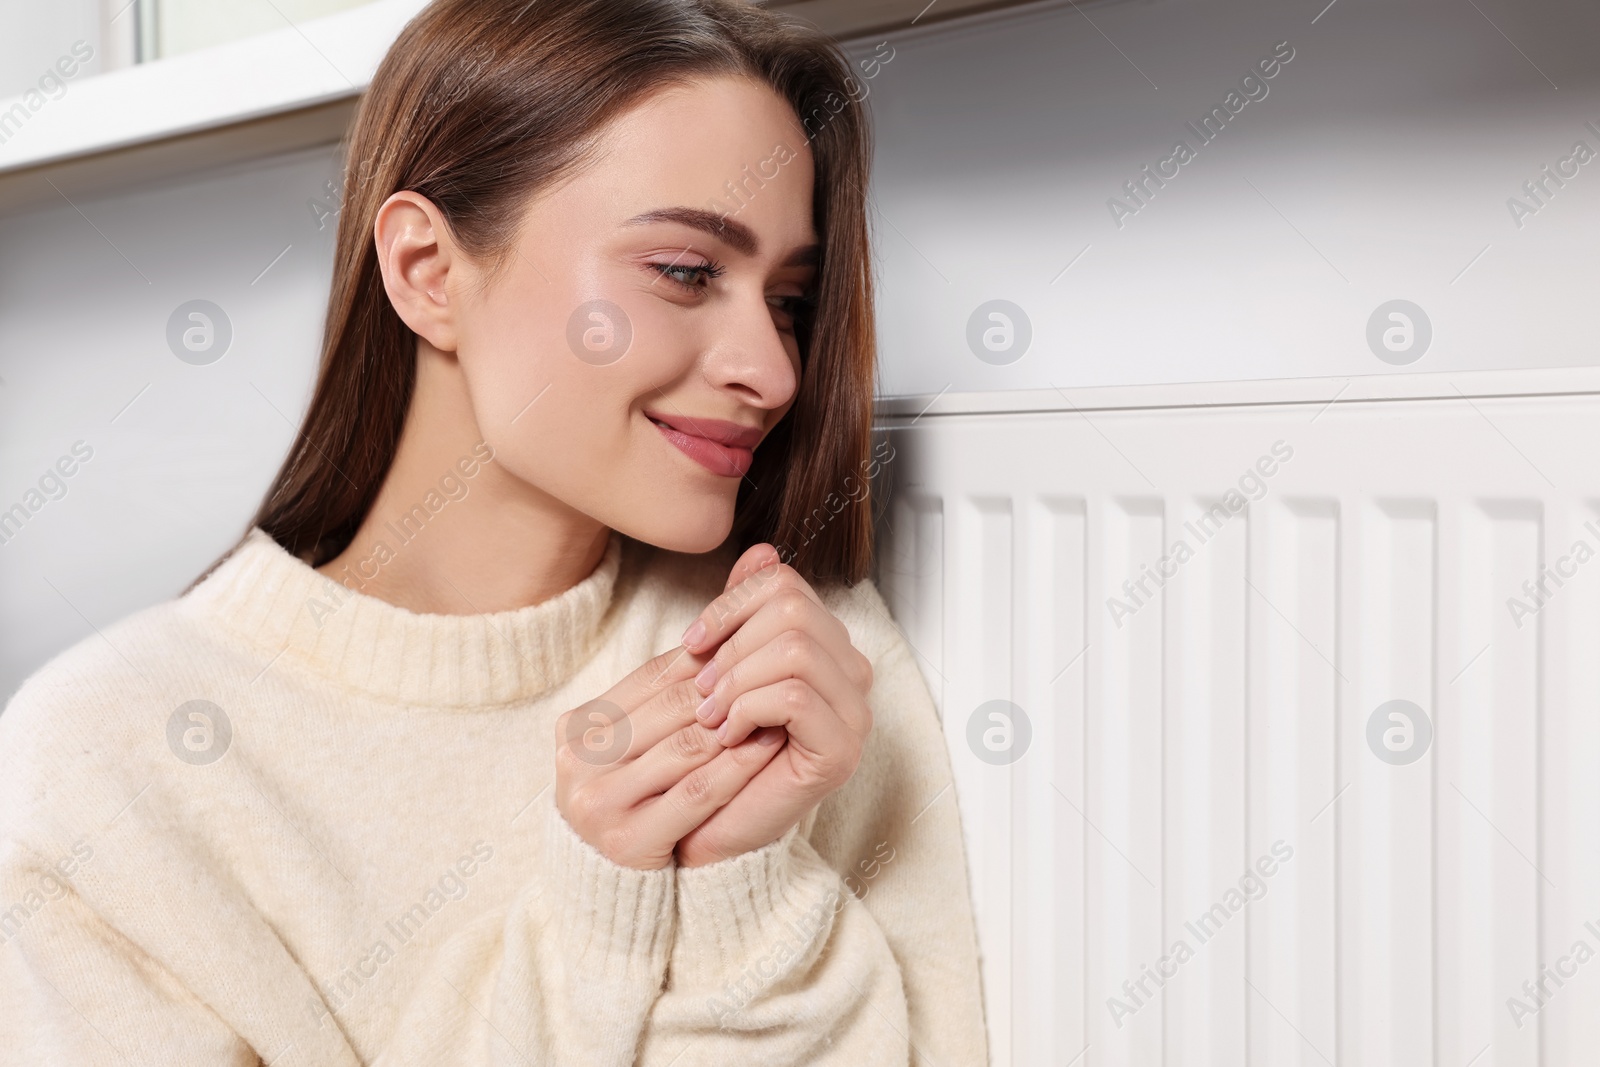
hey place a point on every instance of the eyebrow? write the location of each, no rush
(730, 231)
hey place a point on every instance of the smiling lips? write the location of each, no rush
(724, 448)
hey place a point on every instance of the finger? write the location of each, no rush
(793, 654)
(707, 788)
(667, 762)
(755, 558)
(654, 676)
(728, 612)
(610, 728)
(788, 610)
(762, 810)
(661, 716)
(812, 724)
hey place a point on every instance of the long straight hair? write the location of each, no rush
(481, 104)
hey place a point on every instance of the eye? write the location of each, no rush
(689, 275)
(796, 308)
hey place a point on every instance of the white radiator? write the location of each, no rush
(1227, 706)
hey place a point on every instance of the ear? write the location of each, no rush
(417, 257)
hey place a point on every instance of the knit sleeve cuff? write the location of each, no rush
(614, 922)
(756, 917)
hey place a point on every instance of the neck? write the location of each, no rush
(454, 533)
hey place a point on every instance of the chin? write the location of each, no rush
(691, 531)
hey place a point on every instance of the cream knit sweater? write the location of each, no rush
(274, 821)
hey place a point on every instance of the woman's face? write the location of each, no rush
(657, 286)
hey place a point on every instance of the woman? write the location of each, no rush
(544, 714)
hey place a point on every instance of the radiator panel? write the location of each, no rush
(1191, 708)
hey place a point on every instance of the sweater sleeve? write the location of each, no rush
(851, 939)
(73, 990)
(566, 975)
(762, 958)
(894, 834)
(776, 963)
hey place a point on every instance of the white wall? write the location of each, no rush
(1390, 142)
(181, 453)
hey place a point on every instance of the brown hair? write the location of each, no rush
(478, 106)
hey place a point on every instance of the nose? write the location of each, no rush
(748, 356)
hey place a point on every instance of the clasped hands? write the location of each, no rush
(717, 747)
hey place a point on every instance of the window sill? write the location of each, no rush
(273, 92)
(269, 94)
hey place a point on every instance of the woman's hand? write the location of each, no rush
(635, 772)
(782, 661)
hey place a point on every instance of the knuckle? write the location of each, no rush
(690, 742)
(796, 648)
(662, 670)
(678, 703)
(732, 647)
(817, 777)
(864, 671)
(567, 762)
(776, 579)
(733, 599)
(732, 680)
(584, 803)
(615, 841)
(696, 787)
(660, 661)
(761, 577)
(795, 694)
(837, 768)
(791, 603)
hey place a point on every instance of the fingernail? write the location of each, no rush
(695, 633)
(722, 731)
(707, 676)
(703, 712)
(771, 737)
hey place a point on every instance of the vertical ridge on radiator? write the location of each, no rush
(1204, 770)
(1123, 791)
(1049, 992)
(1296, 784)
(1567, 629)
(979, 572)
(1386, 820)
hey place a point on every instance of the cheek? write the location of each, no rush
(564, 415)
(559, 409)
(552, 419)
(508, 356)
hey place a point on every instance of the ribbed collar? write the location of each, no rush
(288, 610)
